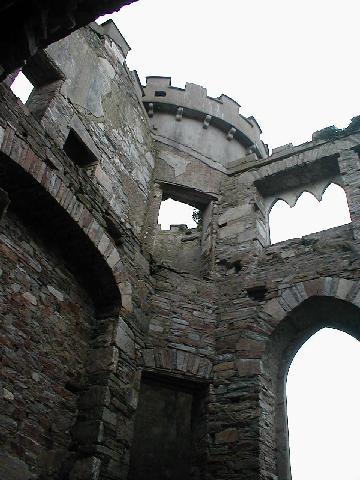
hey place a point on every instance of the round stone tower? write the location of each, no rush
(210, 127)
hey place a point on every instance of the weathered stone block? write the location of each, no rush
(229, 435)
(274, 309)
(88, 432)
(246, 367)
(344, 288)
(124, 338)
(249, 348)
(95, 396)
(103, 359)
(86, 469)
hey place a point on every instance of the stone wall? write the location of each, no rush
(263, 291)
(96, 233)
(179, 248)
(47, 320)
(97, 303)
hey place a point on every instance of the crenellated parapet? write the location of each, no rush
(194, 103)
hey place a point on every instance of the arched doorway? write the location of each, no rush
(291, 333)
(323, 394)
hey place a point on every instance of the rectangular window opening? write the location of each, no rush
(78, 152)
(178, 216)
(37, 83)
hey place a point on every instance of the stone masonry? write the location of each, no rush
(128, 352)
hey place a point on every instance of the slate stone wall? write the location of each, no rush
(92, 232)
(47, 320)
(94, 303)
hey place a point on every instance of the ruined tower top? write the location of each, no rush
(194, 103)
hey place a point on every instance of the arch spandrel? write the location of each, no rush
(341, 288)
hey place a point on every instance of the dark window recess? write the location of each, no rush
(113, 230)
(169, 430)
(237, 266)
(78, 152)
(160, 93)
(257, 293)
(41, 70)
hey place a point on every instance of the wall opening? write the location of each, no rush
(22, 87)
(39, 211)
(323, 395)
(37, 83)
(169, 430)
(309, 215)
(78, 152)
(173, 212)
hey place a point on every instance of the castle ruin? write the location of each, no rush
(129, 352)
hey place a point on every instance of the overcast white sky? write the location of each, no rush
(293, 65)
(323, 392)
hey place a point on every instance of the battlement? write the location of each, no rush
(110, 29)
(193, 102)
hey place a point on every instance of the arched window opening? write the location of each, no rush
(173, 212)
(323, 397)
(308, 215)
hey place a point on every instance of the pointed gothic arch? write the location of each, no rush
(293, 328)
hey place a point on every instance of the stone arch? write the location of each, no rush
(170, 361)
(39, 192)
(43, 200)
(297, 314)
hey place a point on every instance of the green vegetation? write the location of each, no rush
(198, 218)
(333, 132)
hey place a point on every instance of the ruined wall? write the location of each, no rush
(98, 99)
(47, 319)
(179, 248)
(94, 288)
(260, 289)
(89, 222)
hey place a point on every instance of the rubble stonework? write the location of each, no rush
(132, 352)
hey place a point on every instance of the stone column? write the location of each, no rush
(107, 405)
(151, 216)
(349, 164)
